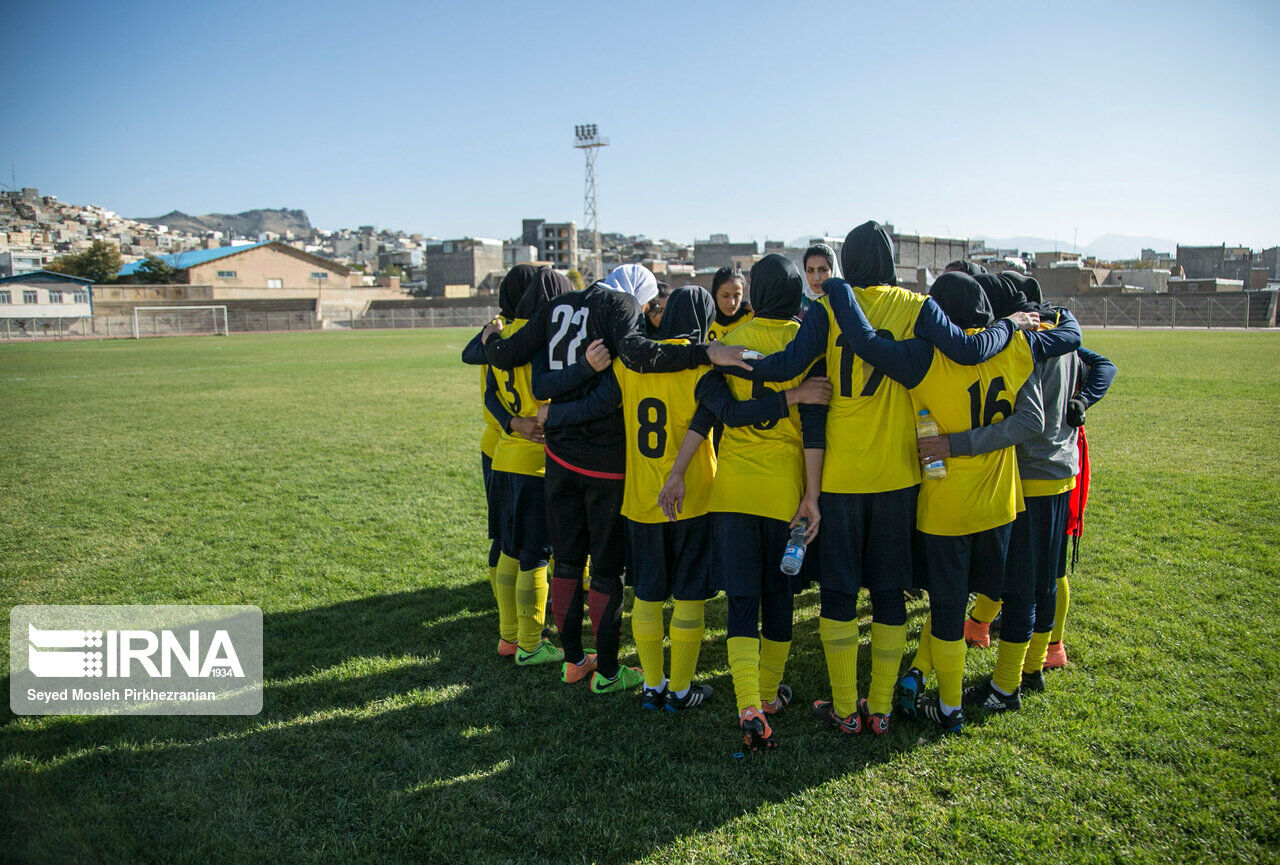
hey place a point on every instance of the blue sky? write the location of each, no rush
(756, 119)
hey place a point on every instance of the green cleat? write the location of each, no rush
(544, 654)
(627, 678)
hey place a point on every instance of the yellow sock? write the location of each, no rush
(744, 667)
(773, 661)
(1036, 651)
(688, 622)
(646, 630)
(505, 590)
(1060, 612)
(840, 645)
(531, 607)
(1009, 660)
(887, 643)
(948, 664)
(923, 661)
(985, 609)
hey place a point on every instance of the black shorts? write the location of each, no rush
(1036, 545)
(584, 517)
(746, 553)
(670, 560)
(956, 566)
(486, 469)
(524, 517)
(866, 540)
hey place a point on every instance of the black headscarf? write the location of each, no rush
(1004, 296)
(688, 314)
(962, 299)
(512, 289)
(776, 287)
(547, 284)
(970, 267)
(867, 256)
(1026, 284)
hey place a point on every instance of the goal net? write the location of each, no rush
(179, 320)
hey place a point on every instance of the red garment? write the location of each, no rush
(1079, 495)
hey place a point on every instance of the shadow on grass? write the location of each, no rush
(391, 732)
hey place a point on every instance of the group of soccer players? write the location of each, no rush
(602, 462)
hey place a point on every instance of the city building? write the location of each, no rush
(1226, 262)
(718, 251)
(556, 242)
(474, 262)
(934, 253)
(17, 262)
(1150, 279)
(270, 265)
(1048, 259)
(44, 295)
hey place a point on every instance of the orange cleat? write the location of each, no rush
(779, 702)
(1056, 658)
(507, 649)
(977, 634)
(757, 735)
(571, 672)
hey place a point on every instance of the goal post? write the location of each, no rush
(180, 321)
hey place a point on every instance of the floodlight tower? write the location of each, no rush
(586, 137)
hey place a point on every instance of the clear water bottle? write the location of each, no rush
(793, 558)
(926, 427)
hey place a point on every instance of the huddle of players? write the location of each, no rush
(596, 449)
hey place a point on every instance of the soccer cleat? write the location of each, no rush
(913, 594)
(757, 735)
(876, 722)
(694, 697)
(544, 654)
(906, 694)
(987, 697)
(507, 648)
(1056, 658)
(626, 679)
(572, 672)
(1033, 681)
(653, 698)
(781, 701)
(824, 710)
(951, 722)
(977, 634)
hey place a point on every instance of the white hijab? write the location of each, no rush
(835, 269)
(634, 280)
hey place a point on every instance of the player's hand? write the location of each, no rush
(933, 448)
(808, 510)
(1075, 412)
(543, 410)
(671, 499)
(1025, 320)
(598, 356)
(812, 391)
(490, 329)
(726, 355)
(529, 428)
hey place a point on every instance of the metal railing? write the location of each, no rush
(1243, 310)
(445, 316)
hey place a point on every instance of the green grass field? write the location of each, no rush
(333, 480)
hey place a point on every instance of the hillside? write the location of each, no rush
(248, 224)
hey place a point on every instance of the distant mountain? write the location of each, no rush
(249, 224)
(1109, 247)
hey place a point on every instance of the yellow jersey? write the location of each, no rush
(720, 331)
(979, 492)
(871, 437)
(657, 409)
(761, 467)
(515, 453)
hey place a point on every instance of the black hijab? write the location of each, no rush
(776, 287)
(962, 299)
(1004, 296)
(970, 267)
(1026, 284)
(512, 289)
(547, 284)
(688, 314)
(867, 256)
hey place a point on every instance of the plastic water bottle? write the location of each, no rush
(925, 427)
(796, 546)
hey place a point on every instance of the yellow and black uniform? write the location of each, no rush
(964, 518)
(727, 324)
(759, 483)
